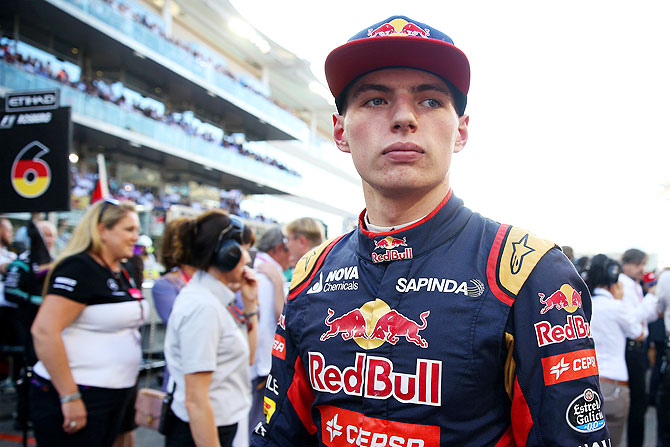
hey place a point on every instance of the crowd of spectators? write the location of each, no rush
(103, 90)
(161, 199)
(202, 59)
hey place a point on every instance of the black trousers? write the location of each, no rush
(10, 337)
(637, 363)
(179, 435)
(26, 315)
(663, 401)
(104, 410)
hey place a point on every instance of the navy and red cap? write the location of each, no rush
(649, 279)
(399, 42)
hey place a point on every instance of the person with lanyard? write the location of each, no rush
(167, 287)
(209, 342)
(613, 321)
(633, 261)
(86, 333)
(428, 324)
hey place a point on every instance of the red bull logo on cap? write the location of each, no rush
(399, 27)
(389, 244)
(375, 323)
(566, 298)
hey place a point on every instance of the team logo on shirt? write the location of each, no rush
(575, 328)
(585, 414)
(279, 347)
(566, 298)
(345, 278)
(569, 366)
(603, 443)
(389, 253)
(376, 377)
(269, 407)
(520, 249)
(65, 283)
(344, 428)
(113, 285)
(473, 288)
(375, 323)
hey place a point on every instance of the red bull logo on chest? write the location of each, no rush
(375, 323)
(389, 245)
(374, 377)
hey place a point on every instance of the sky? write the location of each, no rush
(569, 107)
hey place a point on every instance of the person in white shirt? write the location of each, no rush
(663, 393)
(303, 234)
(612, 322)
(209, 342)
(270, 262)
(632, 266)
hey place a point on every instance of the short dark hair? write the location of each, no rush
(198, 238)
(633, 256)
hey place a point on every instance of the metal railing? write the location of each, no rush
(127, 27)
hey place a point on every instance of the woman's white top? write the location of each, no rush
(612, 321)
(203, 336)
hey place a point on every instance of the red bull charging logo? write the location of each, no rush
(374, 324)
(389, 244)
(399, 27)
(566, 298)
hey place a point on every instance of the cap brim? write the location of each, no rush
(358, 57)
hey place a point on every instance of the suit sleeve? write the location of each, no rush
(288, 394)
(556, 397)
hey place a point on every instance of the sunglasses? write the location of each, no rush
(105, 205)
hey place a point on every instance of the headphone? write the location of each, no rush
(228, 251)
(612, 270)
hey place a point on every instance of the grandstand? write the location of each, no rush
(189, 105)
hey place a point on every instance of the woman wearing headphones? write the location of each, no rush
(86, 333)
(611, 323)
(208, 339)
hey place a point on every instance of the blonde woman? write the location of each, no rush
(86, 333)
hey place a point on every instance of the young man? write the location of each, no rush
(429, 325)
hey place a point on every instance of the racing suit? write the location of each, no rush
(453, 331)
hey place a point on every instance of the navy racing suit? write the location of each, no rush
(453, 331)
